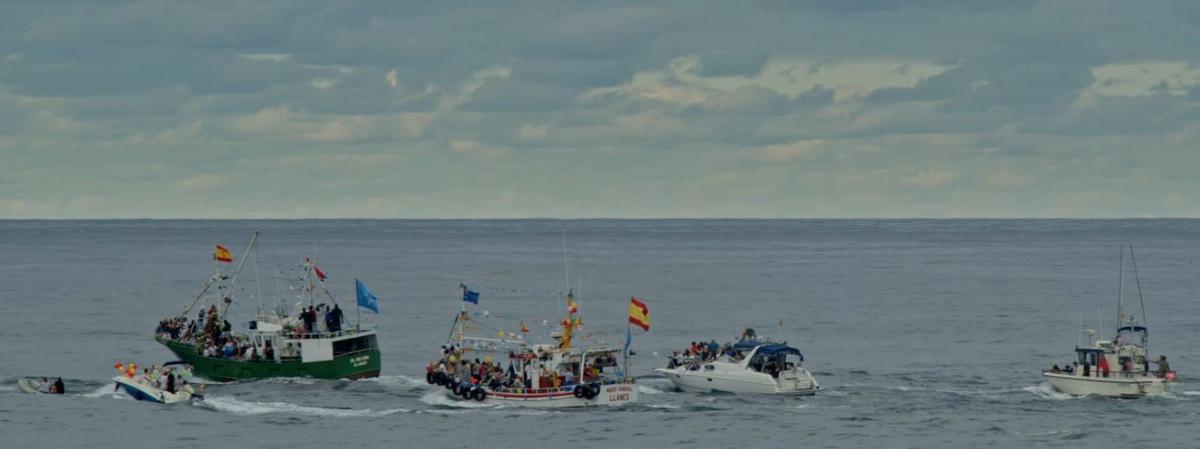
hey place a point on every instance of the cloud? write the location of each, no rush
(204, 182)
(393, 78)
(280, 123)
(277, 58)
(767, 108)
(802, 149)
(931, 178)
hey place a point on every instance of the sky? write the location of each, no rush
(487, 109)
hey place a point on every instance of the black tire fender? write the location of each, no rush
(592, 391)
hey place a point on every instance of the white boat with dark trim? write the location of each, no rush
(750, 366)
(1118, 368)
(155, 386)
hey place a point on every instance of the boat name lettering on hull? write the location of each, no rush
(619, 393)
(360, 361)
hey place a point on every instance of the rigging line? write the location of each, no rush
(566, 268)
(257, 283)
(1138, 280)
(1120, 285)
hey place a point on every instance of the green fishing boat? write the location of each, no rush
(276, 343)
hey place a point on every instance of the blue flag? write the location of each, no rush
(469, 296)
(366, 299)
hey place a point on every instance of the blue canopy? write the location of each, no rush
(747, 344)
(779, 349)
(1133, 329)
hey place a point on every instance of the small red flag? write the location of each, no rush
(320, 274)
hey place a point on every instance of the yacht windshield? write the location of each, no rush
(1136, 335)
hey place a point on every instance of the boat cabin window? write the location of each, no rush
(1089, 357)
(1136, 335)
(353, 345)
(775, 362)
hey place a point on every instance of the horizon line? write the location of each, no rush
(599, 218)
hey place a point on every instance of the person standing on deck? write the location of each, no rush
(307, 317)
(1163, 366)
(335, 317)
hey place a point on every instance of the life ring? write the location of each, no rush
(466, 392)
(479, 394)
(430, 377)
(457, 389)
(592, 391)
(580, 391)
(450, 383)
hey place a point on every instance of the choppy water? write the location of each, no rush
(924, 333)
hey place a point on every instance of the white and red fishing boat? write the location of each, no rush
(552, 375)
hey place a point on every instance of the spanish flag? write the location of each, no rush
(223, 255)
(639, 314)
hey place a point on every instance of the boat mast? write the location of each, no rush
(1138, 280)
(203, 290)
(1120, 285)
(233, 279)
(257, 283)
(566, 268)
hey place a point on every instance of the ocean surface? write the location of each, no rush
(923, 333)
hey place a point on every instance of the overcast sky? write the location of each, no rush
(773, 108)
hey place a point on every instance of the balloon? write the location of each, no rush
(117, 366)
(486, 314)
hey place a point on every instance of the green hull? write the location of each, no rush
(354, 365)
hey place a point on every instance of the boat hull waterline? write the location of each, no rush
(799, 383)
(1113, 387)
(355, 365)
(146, 393)
(612, 394)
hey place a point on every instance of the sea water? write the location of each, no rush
(923, 333)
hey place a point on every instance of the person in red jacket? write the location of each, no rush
(1103, 366)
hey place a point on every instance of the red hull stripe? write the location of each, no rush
(532, 395)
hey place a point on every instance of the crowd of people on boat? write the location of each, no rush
(212, 337)
(320, 318)
(700, 352)
(488, 373)
(1127, 369)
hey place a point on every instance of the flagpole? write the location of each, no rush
(628, 343)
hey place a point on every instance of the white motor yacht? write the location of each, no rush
(771, 368)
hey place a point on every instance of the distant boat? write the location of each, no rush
(36, 385)
(1118, 368)
(751, 366)
(281, 347)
